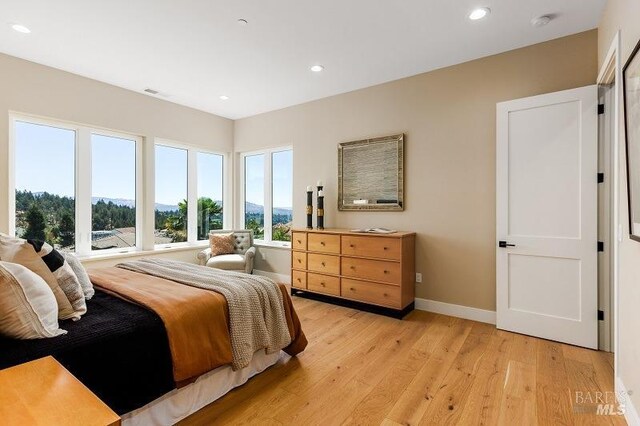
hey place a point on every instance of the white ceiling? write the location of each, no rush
(194, 50)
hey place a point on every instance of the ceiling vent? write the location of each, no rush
(151, 91)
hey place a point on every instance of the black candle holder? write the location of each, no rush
(309, 209)
(320, 220)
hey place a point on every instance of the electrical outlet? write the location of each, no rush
(418, 277)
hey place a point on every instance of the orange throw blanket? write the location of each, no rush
(196, 320)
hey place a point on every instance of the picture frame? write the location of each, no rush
(631, 97)
(371, 174)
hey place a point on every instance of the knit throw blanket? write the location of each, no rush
(256, 311)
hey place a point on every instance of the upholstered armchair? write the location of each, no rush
(242, 258)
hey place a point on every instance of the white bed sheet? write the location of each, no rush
(180, 403)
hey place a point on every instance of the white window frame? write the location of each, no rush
(192, 193)
(268, 193)
(83, 176)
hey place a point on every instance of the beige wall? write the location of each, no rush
(448, 117)
(34, 89)
(624, 15)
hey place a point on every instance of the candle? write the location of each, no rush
(320, 193)
(309, 188)
(319, 183)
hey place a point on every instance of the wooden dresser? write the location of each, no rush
(374, 269)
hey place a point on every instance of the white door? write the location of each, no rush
(546, 178)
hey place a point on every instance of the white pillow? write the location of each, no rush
(28, 308)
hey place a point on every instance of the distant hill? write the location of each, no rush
(256, 208)
(131, 203)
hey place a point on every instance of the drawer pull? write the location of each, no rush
(299, 260)
(352, 289)
(351, 245)
(323, 264)
(385, 248)
(322, 284)
(385, 294)
(322, 243)
(299, 241)
(352, 267)
(386, 272)
(299, 280)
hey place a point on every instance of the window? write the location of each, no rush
(254, 194)
(113, 192)
(268, 199)
(81, 189)
(45, 207)
(210, 187)
(74, 187)
(189, 194)
(171, 195)
(282, 195)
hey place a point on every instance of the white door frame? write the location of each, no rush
(611, 72)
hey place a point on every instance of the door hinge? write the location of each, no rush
(600, 109)
(600, 177)
(600, 315)
(600, 246)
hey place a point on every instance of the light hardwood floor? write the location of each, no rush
(361, 368)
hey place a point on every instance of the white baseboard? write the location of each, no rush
(279, 278)
(630, 413)
(459, 311)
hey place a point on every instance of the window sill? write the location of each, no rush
(137, 253)
(273, 244)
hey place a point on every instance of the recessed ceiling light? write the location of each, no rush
(20, 28)
(479, 13)
(242, 22)
(224, 97)
(317, 68)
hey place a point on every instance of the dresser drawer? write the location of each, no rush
(298, 260)
(376, 270)
(323, 284)
(323, 243)
(299, 241)
(379, 294)
(323, 263)
(377, 247)
(299, 279)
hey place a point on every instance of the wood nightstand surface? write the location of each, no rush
(43, 392)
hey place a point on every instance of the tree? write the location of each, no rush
(66, 230)
(35, 224)
(209, 216)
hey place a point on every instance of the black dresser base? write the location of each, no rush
(389, 312)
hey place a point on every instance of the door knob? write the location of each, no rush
(504, 244)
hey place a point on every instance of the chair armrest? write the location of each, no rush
(250, 253)
(203, 256)
(248, 258)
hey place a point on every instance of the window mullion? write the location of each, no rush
(192, 196)
(83, 191)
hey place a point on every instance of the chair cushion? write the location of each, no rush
(229, 262)
(221, 244)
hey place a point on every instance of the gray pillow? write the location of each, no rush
(81, 273)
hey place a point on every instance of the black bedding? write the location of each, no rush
(118, 350)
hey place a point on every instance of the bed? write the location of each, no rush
(153, 349)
